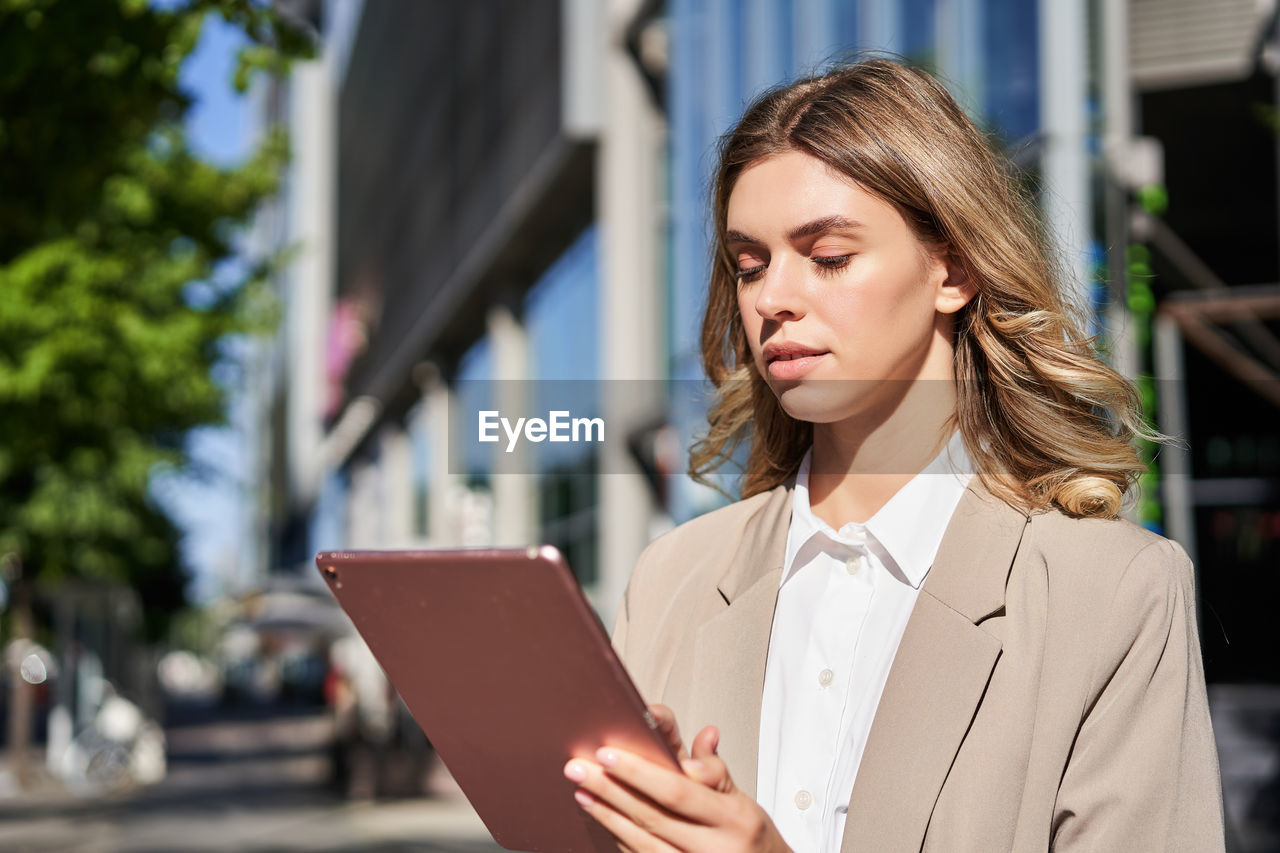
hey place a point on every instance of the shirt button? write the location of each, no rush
(854, 564)
(826, 677)
(854, 531)
(803, 800)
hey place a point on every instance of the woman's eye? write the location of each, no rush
(831, 264)
(750, 273)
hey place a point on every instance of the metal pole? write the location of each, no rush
(1175, 459)
(1117, 96)
(629, 204)
(1066, 201)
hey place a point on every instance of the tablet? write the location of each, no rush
(506, 667)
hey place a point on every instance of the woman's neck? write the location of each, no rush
(860, 463)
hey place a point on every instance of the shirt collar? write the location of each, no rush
(907, 529)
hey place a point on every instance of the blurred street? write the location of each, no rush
(251, 779)
(265, 263)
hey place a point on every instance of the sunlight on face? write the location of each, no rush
(835, 292)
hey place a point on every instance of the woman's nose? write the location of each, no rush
(781, 291)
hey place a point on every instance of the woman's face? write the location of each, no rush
(836, 293)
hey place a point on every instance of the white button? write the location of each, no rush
(803, 800)
(854, 564)
(826, 677)
(854, 531)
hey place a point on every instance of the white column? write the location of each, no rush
(515, 509)
(311, 280)
(363, 529)
(1117, 98)
(1064, 51)
(1175, 458)
(444, 485)
(395, 467)
(632, 330)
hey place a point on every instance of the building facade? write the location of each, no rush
(504, 203)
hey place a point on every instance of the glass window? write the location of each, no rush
(566, 297)
(420, 450)
(847, 22)
(1011, 85)
(566, 374)
(474, 388)
(329, 521)
(919, 30)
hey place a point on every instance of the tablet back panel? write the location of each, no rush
(504, 664)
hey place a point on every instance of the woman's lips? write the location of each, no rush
(795, 366)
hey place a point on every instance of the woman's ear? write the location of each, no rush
(956, 286)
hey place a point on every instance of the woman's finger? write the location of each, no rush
(699, 817)
(699, 772)
(631, 838)
(666, 720)
(706, 765)
(633, 805)
(706, 742)
(678, 794)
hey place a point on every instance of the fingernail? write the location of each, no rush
(607, 757)
(584, 799)
(575, 771)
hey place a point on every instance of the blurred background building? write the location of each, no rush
(485, 196)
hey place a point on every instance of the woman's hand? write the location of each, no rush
(649, 807)
(666, 720)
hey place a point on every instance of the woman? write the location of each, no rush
(923, 627)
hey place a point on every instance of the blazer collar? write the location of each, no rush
(731, 647)
(762, 549)
(972, 565)
(968, 573)
(937, 678)
(935, 683)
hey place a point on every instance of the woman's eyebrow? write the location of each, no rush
(817, 226)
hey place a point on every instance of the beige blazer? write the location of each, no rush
(1048, 693)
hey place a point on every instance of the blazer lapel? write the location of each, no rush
(937, 678)
(731, 648)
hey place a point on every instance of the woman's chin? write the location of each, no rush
(823, 402)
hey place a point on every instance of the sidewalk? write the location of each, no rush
(42, 786)
(1246, 725)
(256, 786)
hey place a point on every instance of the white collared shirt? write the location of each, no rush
(842, 608)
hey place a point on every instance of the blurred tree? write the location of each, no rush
(115, 286)
(114, 293)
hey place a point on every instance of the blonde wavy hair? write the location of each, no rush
(1044, 420)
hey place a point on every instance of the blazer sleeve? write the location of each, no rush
(620, 625)
(623, 622)
(1143, 771)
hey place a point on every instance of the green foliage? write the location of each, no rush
(195, 629)
(1154, 199)
(1142, 306)
(114, 291)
